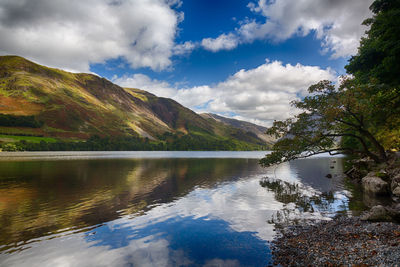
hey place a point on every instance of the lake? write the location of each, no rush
(159, 208)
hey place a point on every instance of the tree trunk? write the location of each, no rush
(380, 149)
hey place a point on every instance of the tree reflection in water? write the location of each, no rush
(298, 199)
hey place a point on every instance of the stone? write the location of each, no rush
(394, 171)
(396, 191)
(395, 182)
(375, 185)
(371, 200)
(382, 174)
(355, 173)
(394, 212)
(377, 213)
(366, 163)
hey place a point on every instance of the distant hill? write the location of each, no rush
(258, 130)
(61, 104)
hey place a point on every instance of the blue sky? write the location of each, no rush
(238, 58)
(210, 18)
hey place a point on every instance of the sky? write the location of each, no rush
(245, 59)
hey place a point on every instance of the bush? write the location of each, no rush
(10, 147)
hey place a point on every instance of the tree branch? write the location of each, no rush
(360, 121)
(363, 143)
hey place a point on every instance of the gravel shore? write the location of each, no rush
(339, 242)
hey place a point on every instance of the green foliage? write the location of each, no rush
(9, 147)
(329, 113)
(19, 121)
(207, 142)
(377, 65)
(379, 52)
(172, 142)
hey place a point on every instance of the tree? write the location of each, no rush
(333, 120)
(378, 55)
(377, 64)
(361, 115)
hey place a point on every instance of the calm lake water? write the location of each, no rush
(158, 208)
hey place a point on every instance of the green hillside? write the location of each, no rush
(46, 102)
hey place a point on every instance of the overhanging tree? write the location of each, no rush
(362, 115)
(333, 120)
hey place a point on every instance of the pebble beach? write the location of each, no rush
(339, 242)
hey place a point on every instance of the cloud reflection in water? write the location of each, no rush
(187, 219)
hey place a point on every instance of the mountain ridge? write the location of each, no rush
(258, 130)
(80, 105)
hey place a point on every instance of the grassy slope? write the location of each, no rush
(33, 139)
(259, 131)
(80, 105)
(185, 121)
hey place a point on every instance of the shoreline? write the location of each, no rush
(342, 241)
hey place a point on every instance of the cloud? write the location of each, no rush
(72, 34)
(336, 23)
(135, 240)
(264, 93)
(222, 42)
(260, 95)
(77, 250)
(144, 82)
(184, 48)
(245, 198)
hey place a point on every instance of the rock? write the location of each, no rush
(396, 191)
(394, 212)
(363, 164)
(377, 213)
(393, 164)
(375, 185)
(393, 171)
(355, 173)
(395, 182)
(382, 174)
(371, 200)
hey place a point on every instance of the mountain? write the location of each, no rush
(40, 101)
(255, 129)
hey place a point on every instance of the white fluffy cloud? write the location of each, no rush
(336, 23)
(71, 34)
(222, 42)
(141, 81)
(259, 95)
(184, 48)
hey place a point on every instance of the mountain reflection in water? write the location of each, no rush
(158, 212)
